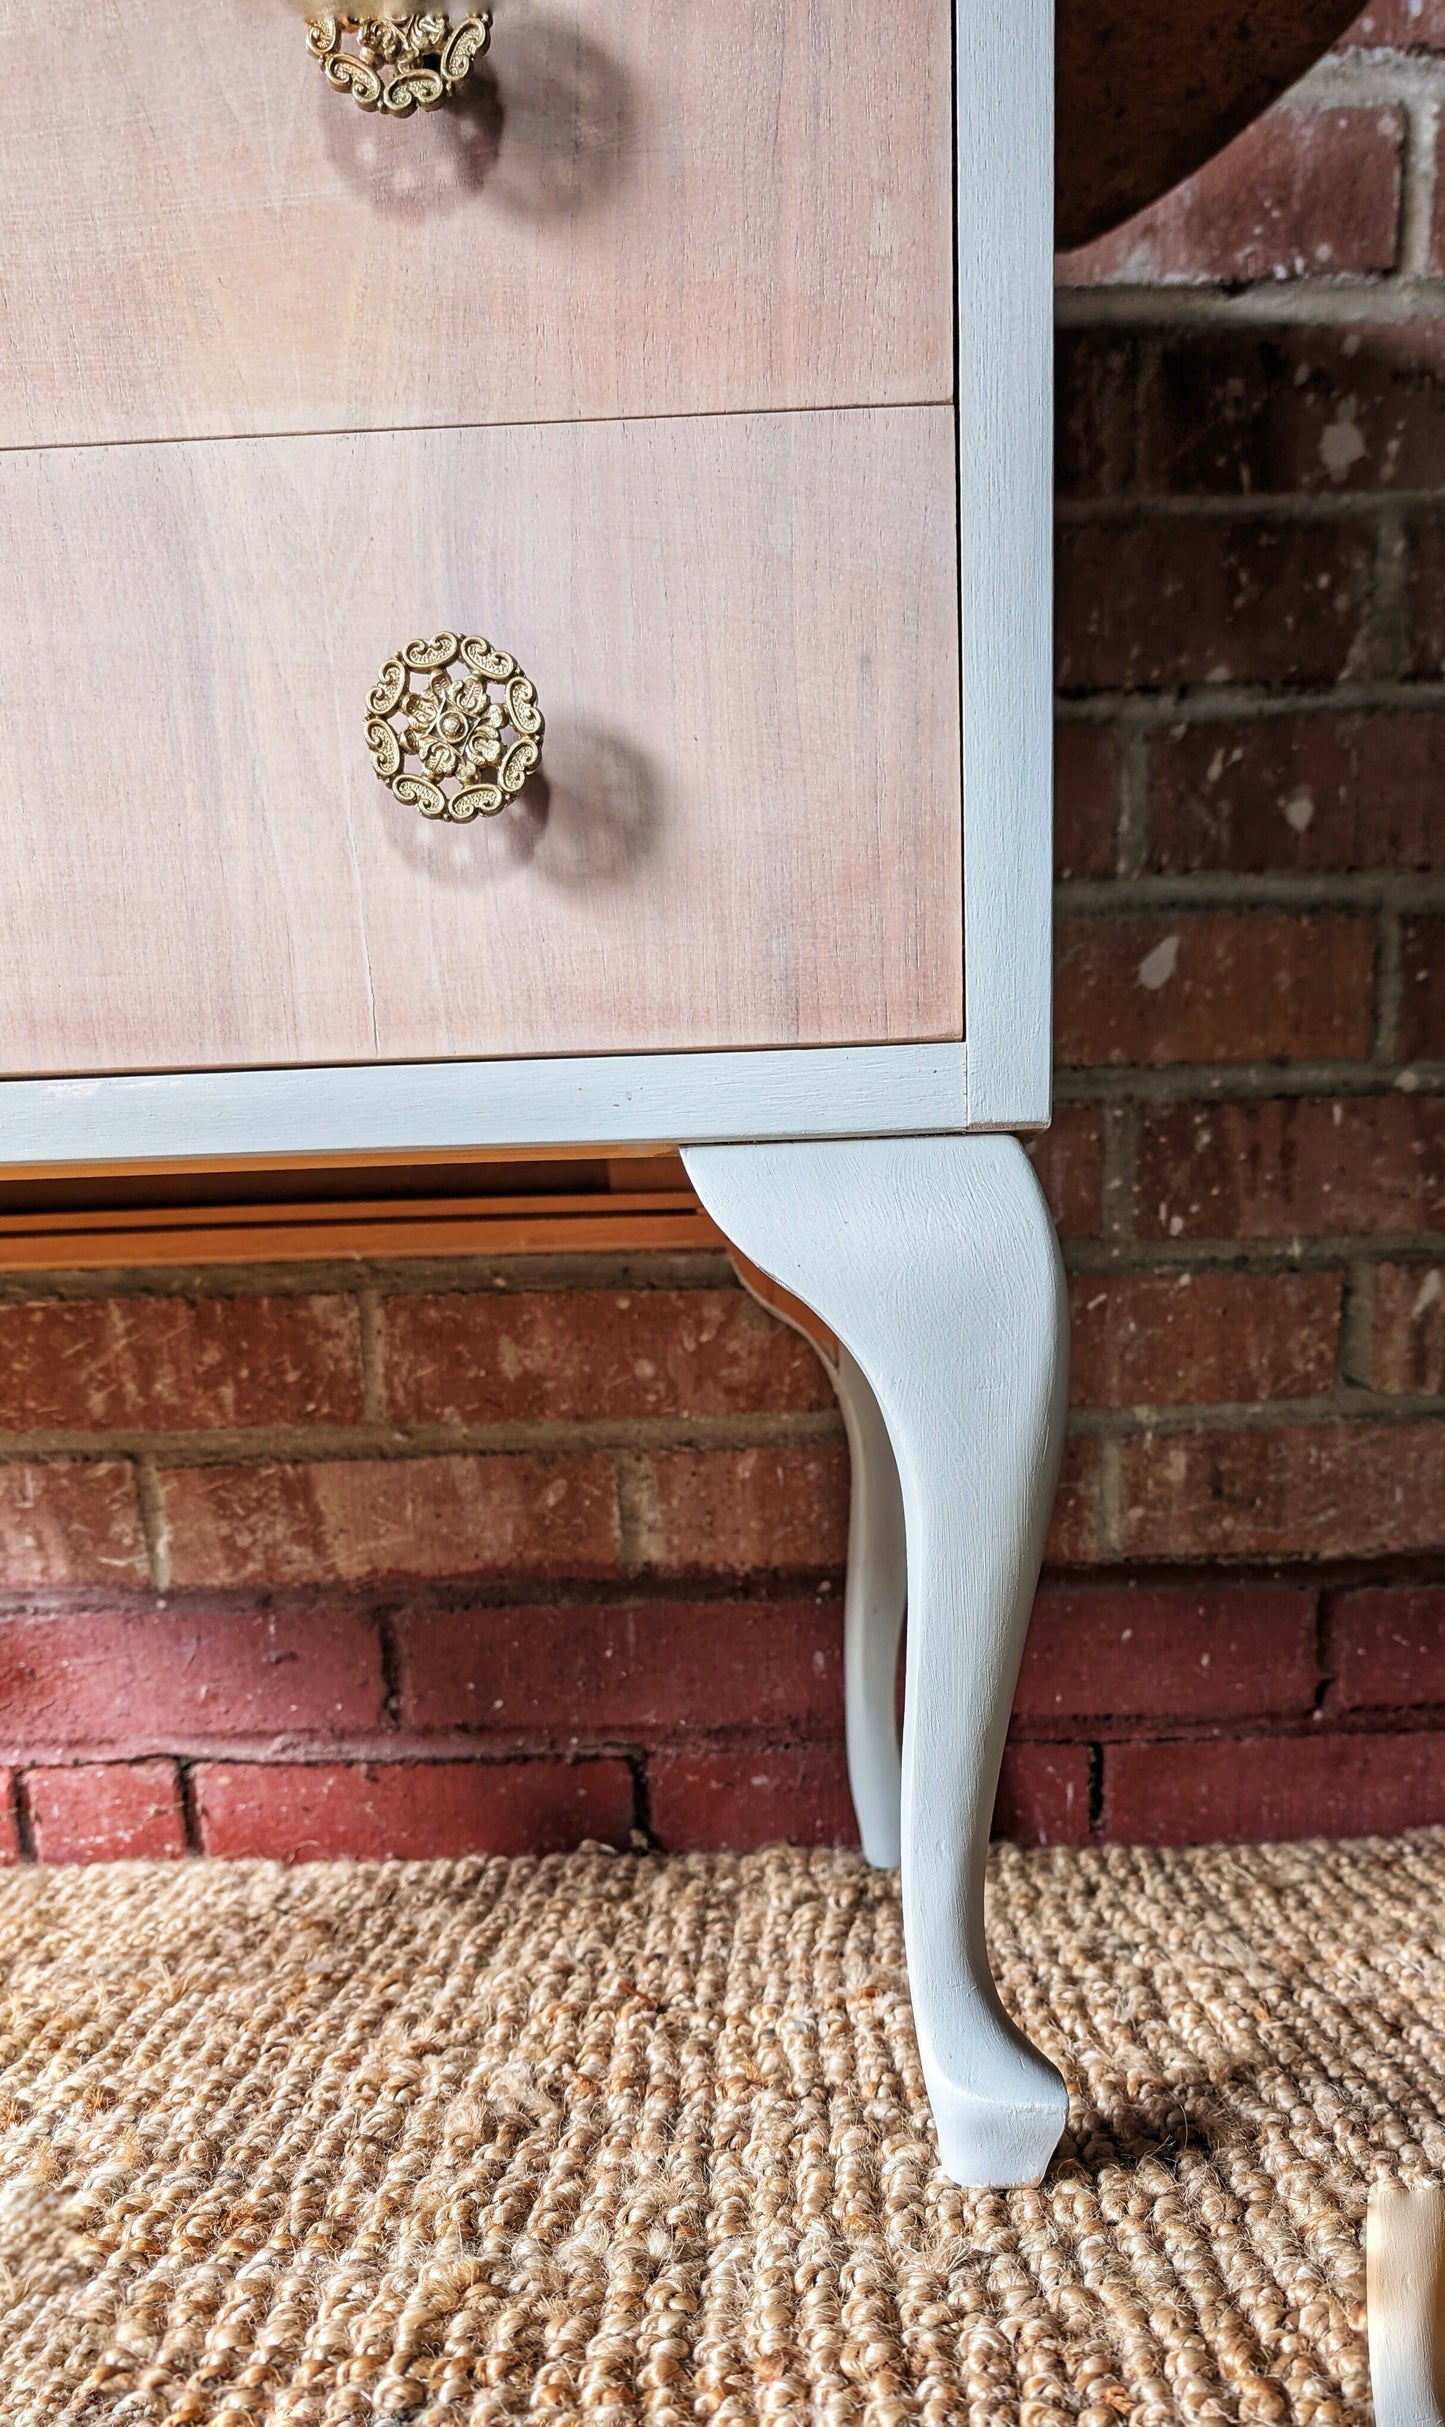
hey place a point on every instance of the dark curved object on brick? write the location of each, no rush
(1150, 89)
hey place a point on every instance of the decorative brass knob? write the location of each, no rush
(474, 734)
(400, 63)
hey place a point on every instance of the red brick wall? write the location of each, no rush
(414, 1559)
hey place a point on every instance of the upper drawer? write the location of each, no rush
(661, 208)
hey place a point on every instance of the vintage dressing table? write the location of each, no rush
(684, 384)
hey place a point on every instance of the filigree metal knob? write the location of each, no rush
(400, 63)
(462, 744)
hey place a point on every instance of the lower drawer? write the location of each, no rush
(745, 829)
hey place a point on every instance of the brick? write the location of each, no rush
(1298, 792)
(639, 1671)
(1387, 1648)
(1069, 1159)
(1303, 193)
(171, 1363)
(469, 1358)
(1398, 25)
(1272, 1788)
(1096, 376)
(1075, 1527)
(1409, 1328)
(1043, 1795)
(67, 1522)
(1152, 1339)
(107, 1811)
(1315, 1491)
(1206, 1653)
(341, 1521)
(9, 1833)
(1147, 606)
(738, 1512)
(1284, 411)
(1422, 988)
(1425, 592)
(706, 1802)
(1086, 799)
(1214, 986)
(1435, 257)
(171, 1680)
(409, 1811)
(1297, 1167)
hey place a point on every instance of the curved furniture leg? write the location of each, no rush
(875, 1593)
(874, 1600)
(1405, 2303)
(934, 1261)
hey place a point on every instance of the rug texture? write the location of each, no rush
(617, 2138)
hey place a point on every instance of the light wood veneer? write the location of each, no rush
(743, 632)
(660, 208)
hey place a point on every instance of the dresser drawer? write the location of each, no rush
(652, 209)
(743, 634)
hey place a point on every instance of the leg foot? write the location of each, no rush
(934, 1262)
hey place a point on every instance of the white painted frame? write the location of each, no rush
(1004, 154)
(999, 1077)
(604, 1100)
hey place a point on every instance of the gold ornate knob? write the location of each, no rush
(463, 744)
(400, 63)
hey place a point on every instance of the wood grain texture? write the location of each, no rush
(739, 628)
(934, 1261)
(662, 208)
(390, 1228)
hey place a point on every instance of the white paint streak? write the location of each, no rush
(1341, 442)
(1158, 966)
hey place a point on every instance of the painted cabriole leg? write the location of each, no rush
(874, 1595)
(1405, 2303)
(934, 1261)
(874, 1600)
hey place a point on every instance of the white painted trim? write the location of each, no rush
(608, 1100)
(1005, 137)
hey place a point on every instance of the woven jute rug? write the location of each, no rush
(617, 2138)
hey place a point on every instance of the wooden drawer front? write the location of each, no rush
(650, 209)
(743, 633)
